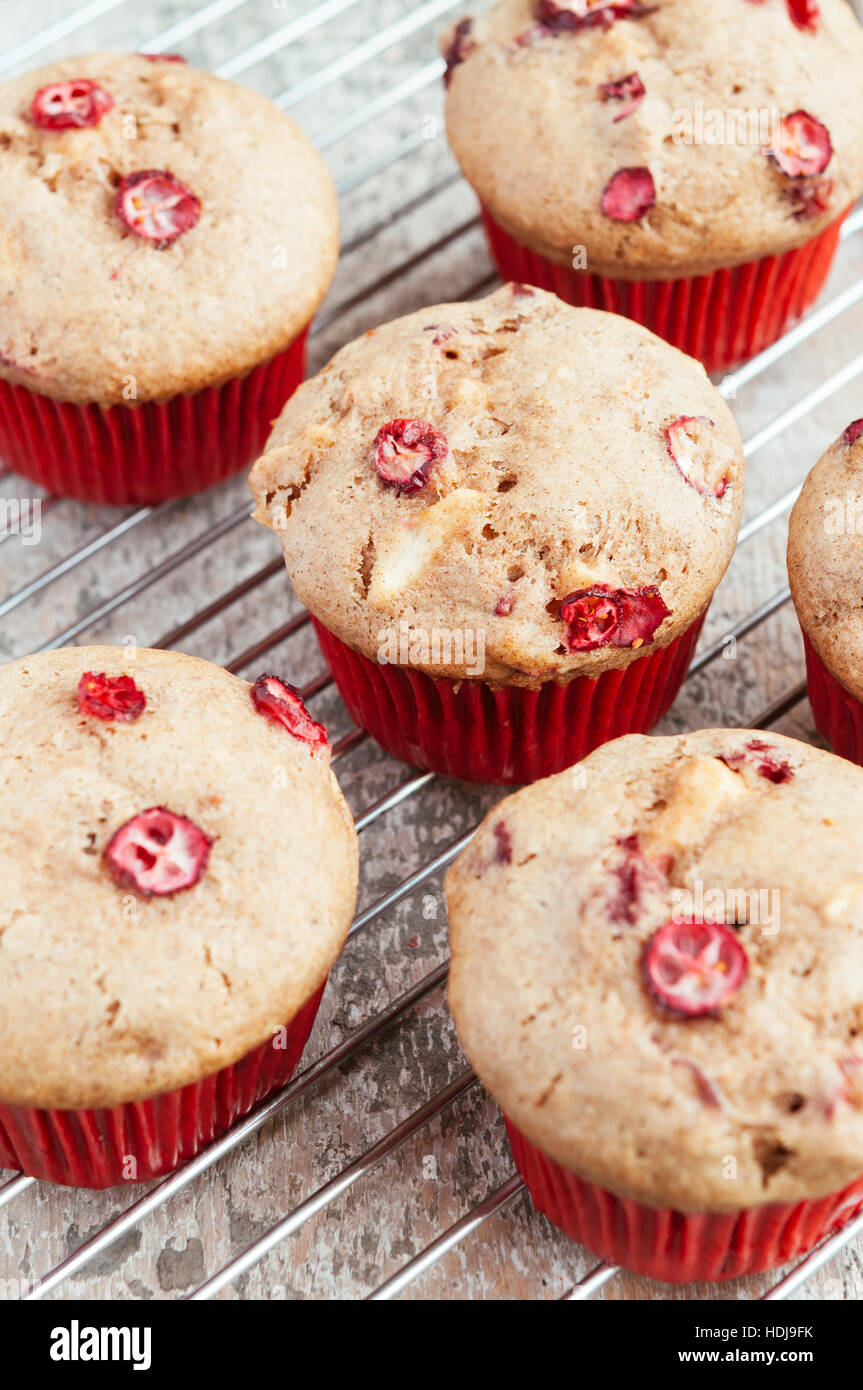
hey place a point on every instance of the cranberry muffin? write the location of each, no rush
(656, 965)
(164, 946)
(686, 166)
(507, 519)
(188, 231)
(825, 571)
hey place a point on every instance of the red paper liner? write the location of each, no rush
(678, 1247)
(148, 453)
(144, 1139)
(510, 735)
(721, 319)
(838, 714)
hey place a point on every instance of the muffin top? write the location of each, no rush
(185, 226)
(179, 871)
(664, 139)
(658, 967)
(825, 558)
(527, 490)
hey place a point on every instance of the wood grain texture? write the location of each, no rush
(452, 1163)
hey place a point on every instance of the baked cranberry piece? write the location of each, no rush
(110, 697)
(405, 451)
(764, 758)
(606, 617)
(629, 195)
(810, 198)
(283, 704)
(693, 968)
(460, 46)
(630, 89)
(561, 16)
(707, 1091)
(801, 146)
(636, 881)
(805, 14)
(163, 57)
(853, 432)
(70, 105)
(503, 843)
(695, 450)
(156, 206)
(158, 853)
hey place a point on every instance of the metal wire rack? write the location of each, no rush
(415, 25)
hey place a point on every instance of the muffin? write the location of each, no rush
(825, 571)
(507, 519)
(165, 240)
(656, 971)
(688, 166)
(179, 875)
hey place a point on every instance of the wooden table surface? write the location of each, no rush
(433, 252)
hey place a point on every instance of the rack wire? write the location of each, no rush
(417, 22)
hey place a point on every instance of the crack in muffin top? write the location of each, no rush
(113, 280)
(698, 1067)
(556, 479)
(570, 131)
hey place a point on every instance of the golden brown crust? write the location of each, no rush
(533, 137)
(136, 323)
(108, 997)
(761, 1103)
(825, 560)
(557, 478)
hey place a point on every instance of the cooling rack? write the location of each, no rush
(381, 1170)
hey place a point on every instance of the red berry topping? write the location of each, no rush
(630, 89)
(110, 697)
(460, 46)
(805, 14)
(573, 15)
(606, 617)
(764, 758)
(405, 451)
(156, 206)
(692, 444)
(629, 195)
(158, 853)
(283, 703)
(801, 146)
(70, 105)
(693, 968)
(853, 432)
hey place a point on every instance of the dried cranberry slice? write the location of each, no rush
(561, 17)
(156, 206)
(693, 968)
(70, 105)
(460, 46)
(696, 452)
(283, 704)
(405, 451)
(602, 617)
(805, 14)
(630, 89)
(853, 432)
(110, 697)
(629, 195)
(802, 146)
(158, 853)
